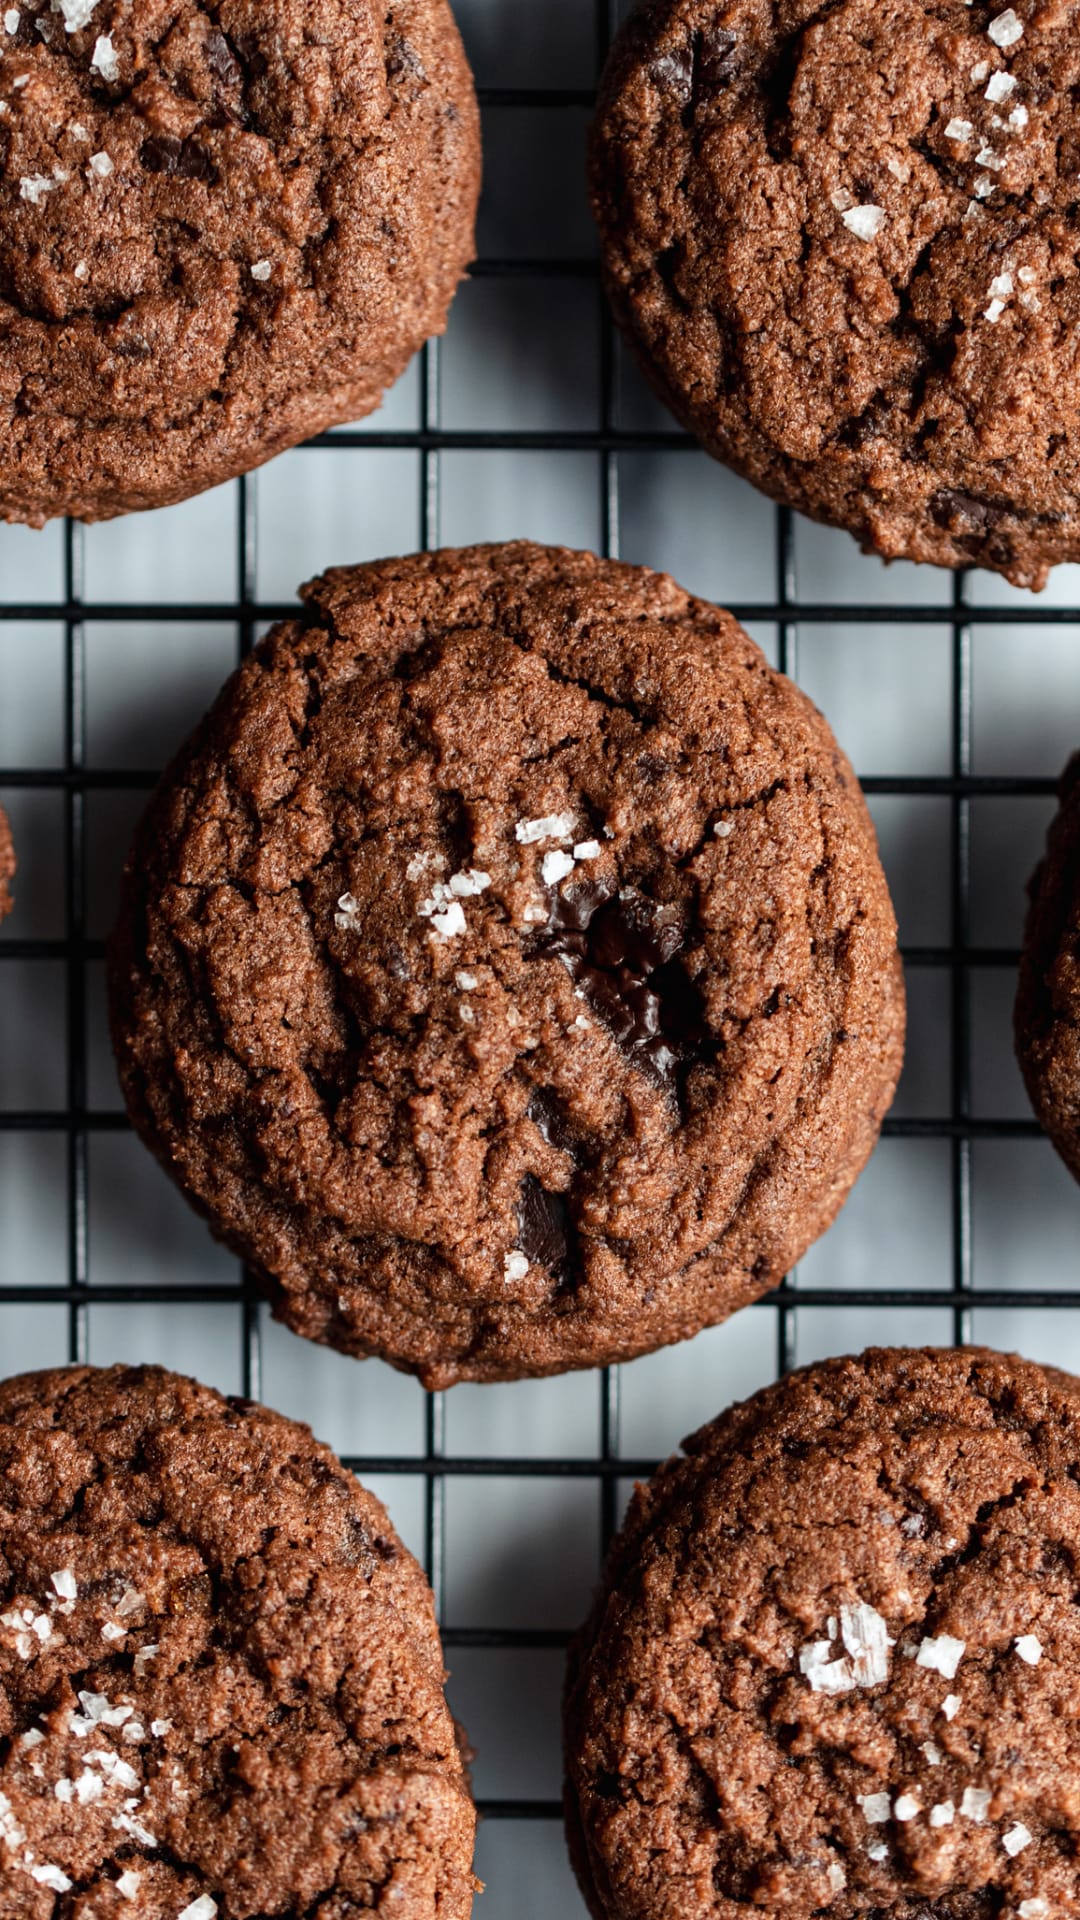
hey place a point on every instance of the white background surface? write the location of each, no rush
(524, 354)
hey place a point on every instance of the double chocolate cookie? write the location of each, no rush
(505, 967)
(221, 230)
(7, 864)
(831, 1666)
(221, 1685)
(1047, 1018)
(842, 239)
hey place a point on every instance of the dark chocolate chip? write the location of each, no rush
(543, 1225)
(674, 72)
(548, 1116)
(222, 61)
(165, 153)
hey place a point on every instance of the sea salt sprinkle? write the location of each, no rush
(34, 187)
(201, 1909)
(104, 59)
(943, 1814)
(864, 222)
(960, 130)
(515, 1265)
(1000, 87)
(1016, 1839)
(876, 1808)
(77, 13)
(974, 1804)
(1007, 29)
(942, 1654)
(11, 20)
(866, 1641)
(261, 270)
(1029, 1649)
(556, 866)
(1033, 1910)
(551, 826)
(931, 1753)
(100, 166)
(950, 1706)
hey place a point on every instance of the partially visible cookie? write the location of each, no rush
(842, 239)
(1047, 1014)
(505, 967)
(221, 1684)
(222, 229)
(7, 864)
(831, 1666)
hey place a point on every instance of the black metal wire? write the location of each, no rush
(608, 442)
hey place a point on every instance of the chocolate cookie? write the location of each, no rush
(830, 1668)
(7, 864)
(221, 1685)
(505, 967)
(221, 230)
(842, 239)
(1047, 1016)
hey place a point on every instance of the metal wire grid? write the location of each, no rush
(75, 780)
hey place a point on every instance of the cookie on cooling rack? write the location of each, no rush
(221, 1684)
(505, 967)
(842, 240)
(1047, 1015)
(221, 230)
(828, 1668)
(7, 864)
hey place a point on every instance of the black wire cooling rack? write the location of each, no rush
(957, 960)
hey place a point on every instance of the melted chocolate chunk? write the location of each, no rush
(548, 1115)
(543, 1225)
(222, 61)
(164, 153)
(621, 952)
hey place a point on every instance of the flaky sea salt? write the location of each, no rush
(34, 187)
(864, 222)
(11, 20)
(1029, 1649)
(82, 271)
(128, 1884)
(1016, 1839)
(879, 1851)
(994, 311)
(866, 1641)
(515, 1265)
(77, 13)
(100, 166)
(201, 1909)
(1000, 87)
(52, 1877)
(1033, 1910)
(550, 826)
(1007, 29)
(876, 1808)
(466, 886)
(974, 1804)
(261, 270)
(837, 1877)
(943, 1814)
(587, 850)
(941, 1654)
(950, 1706)
(960, 130)
(555, 867)
(104, 59)
(906, 1807)
(931, 1753)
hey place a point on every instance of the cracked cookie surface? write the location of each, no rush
(1047, 1015)
(844, 241)
(828, 1668)
(506, 968)
(221, 1683)
(223, 228)
(7, 864)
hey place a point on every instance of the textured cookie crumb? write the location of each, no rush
(507, 765)
(263, 1735)
(801, 205)
(710, 1778)
(7, 864)
(222, 229)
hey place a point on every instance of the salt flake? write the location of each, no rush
(1033, 1910)
(551, 826)
(104, 58)
(201, 1909)
(1029, 1649)
(77, 13)
(1016, 1839)
(262, 270)
(1007, 29)
(515, 1265)
(100, 165)
(34, 187)
(906, 1807)
(52, 1877)
(943, 1814)
(960, 130)
(556, 867)
(932, 1753)
(876, 1808)
(974, 1804)
(864, 222)
(950, 1706)
(1001, 86)
(11, 20)
(942, 1654)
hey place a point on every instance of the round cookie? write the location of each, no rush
(1047, 1014)
(829, 1668)
(7, 864)
(842, 240)
(505, 966)
(221, 231)
(221, 1684)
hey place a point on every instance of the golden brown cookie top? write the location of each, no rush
(843, 240)
(506, 965)
(828, 1669)
(221, 229)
